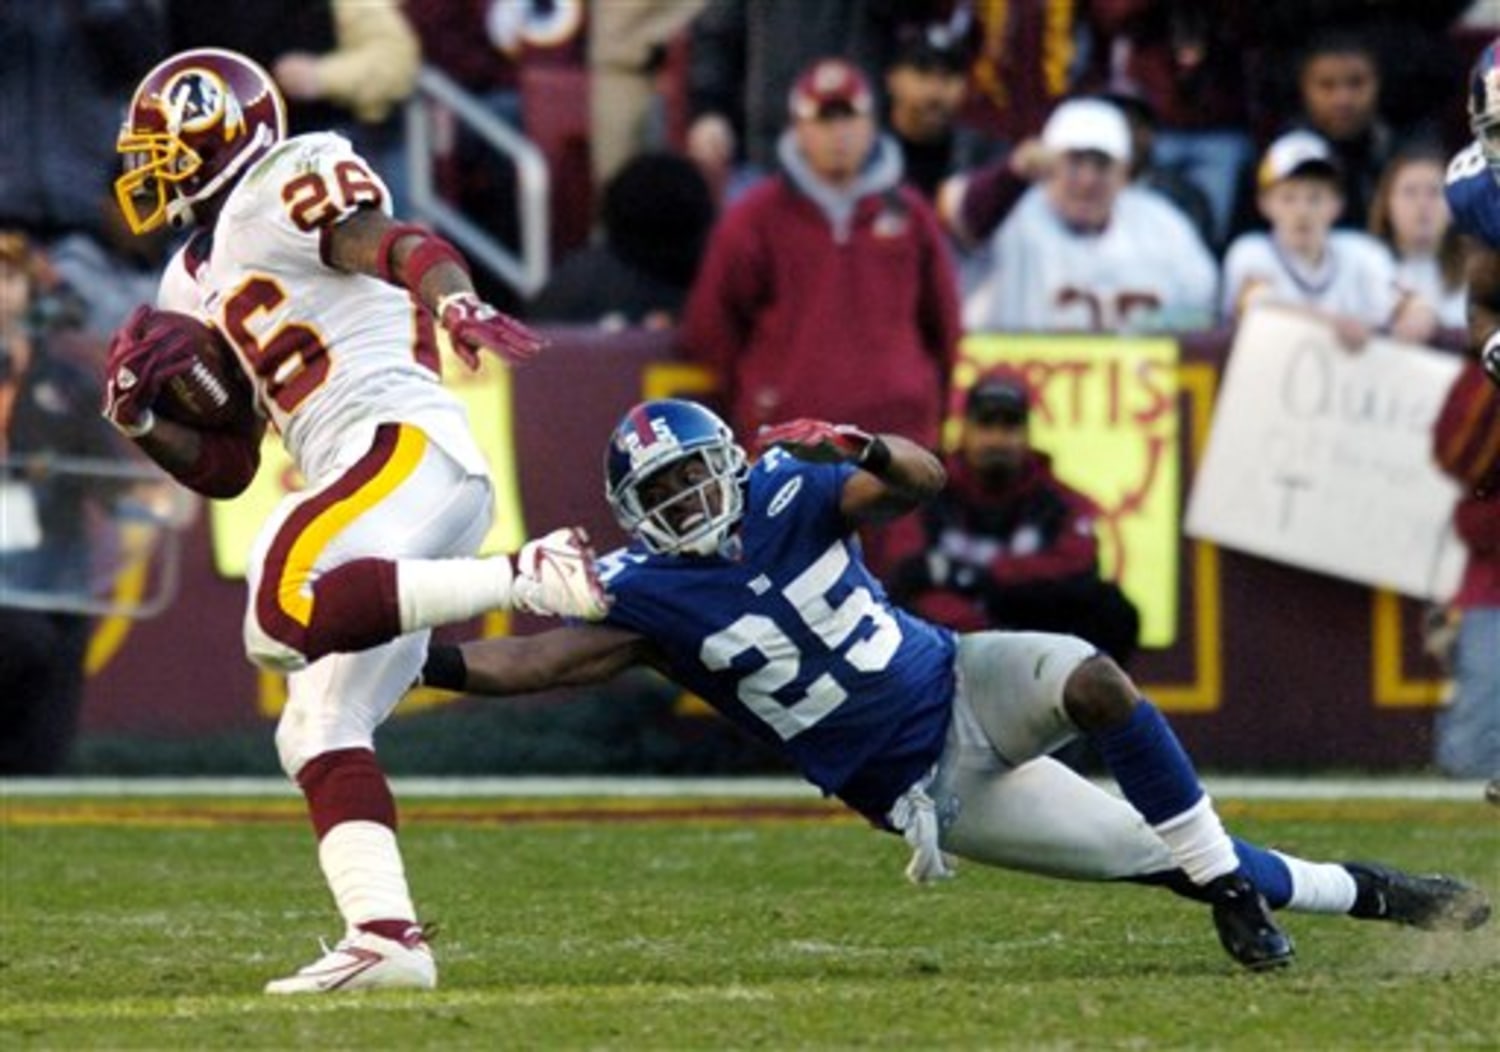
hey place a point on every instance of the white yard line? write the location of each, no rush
(1312, 787)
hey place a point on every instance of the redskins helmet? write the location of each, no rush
(651, 438)
(1484, 104)
(196, 124)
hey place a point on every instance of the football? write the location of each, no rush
(213, 394)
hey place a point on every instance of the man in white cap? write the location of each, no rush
(1085, 251)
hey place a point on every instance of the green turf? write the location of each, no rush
(154, 926)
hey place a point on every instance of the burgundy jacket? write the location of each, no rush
(801, 320)
(1036, 529)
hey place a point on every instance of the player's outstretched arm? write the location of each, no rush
(563, 657)
(896, 474)
(1483, 273)
(413, 257)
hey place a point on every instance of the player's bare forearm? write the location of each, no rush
(888, 488)
(355, 244)
(562, 657)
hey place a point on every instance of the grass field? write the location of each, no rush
(153, 923)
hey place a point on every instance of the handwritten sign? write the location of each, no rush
(1321, 458)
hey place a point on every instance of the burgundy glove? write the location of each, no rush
(475, 326)
(142, 357)
(816, 440)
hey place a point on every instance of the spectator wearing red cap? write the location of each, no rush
(743, 58)
(1007, 544)
(827, 291)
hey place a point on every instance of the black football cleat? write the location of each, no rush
(1245, 925)
(1432, 902)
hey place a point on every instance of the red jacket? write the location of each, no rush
(1466, 445)
(1477, 522)
(799, 322)
(1035, 529)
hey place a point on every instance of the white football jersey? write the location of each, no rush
(1356, 277)
(1147, 271)
(331, 354)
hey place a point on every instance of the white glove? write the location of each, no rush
(915, 815)
(555, 576)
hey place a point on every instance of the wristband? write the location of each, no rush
(451, 298)
(876, 459)
(432, 251)
(445, 668)
(388, 242)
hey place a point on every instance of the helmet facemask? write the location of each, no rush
(150, 191)
(696, 518)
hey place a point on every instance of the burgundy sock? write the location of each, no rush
(407, 933)
(346, 785)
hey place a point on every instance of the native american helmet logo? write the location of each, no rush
(197, 100)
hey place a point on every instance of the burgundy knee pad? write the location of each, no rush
(346, 785)
(354, 608)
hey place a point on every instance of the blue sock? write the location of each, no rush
(1150, 765)
(1266, 871)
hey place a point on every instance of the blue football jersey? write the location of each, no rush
(1474, 196)
(795, 641)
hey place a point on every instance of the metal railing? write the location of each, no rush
(527, 270)
(133, 544)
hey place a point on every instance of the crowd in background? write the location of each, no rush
(752, 168)
(962, 90)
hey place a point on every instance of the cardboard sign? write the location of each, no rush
(1321, 458)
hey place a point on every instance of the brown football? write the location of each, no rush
(214, 393)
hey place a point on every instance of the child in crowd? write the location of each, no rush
(1344, 276)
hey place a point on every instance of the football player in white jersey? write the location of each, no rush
(1083, 251)
(331, 308)
(1346, 277)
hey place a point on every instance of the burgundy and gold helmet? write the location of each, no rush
(196, 124)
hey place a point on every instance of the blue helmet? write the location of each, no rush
(652, 437)
(1484, 104)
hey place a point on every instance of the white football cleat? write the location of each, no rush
(363, 961)
(555, 575)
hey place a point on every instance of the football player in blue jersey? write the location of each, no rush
(1473, 192)
(745, 585)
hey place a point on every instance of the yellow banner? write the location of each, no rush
(1107, 413)
(486, 395)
